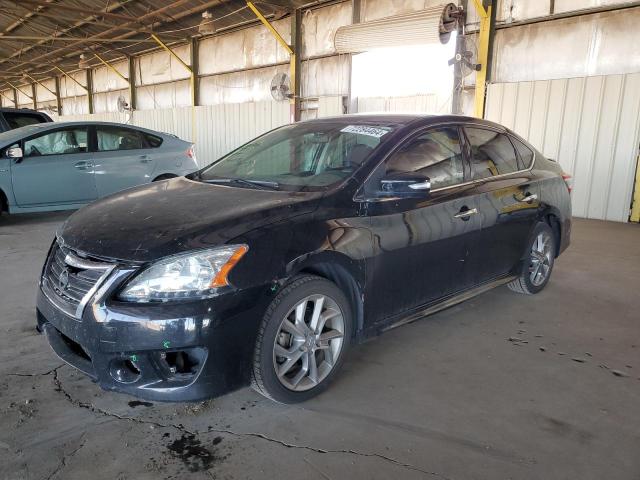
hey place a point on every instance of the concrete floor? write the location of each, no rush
(502, 386)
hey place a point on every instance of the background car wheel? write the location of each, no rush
(537, 266)
(303, 339)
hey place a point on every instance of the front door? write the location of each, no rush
(56, 168)
(507, 197)
(123, 159)
(421, 245)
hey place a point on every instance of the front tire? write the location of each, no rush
(538, 264)
(303, 340)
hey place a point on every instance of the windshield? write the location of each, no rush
(304, 156)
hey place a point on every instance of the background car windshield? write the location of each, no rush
(309, 156)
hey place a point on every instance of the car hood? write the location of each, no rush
(164, 218)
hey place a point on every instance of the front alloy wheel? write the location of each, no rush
(302, 341)
(308, 342)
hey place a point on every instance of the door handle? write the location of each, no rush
(144, 159)
(83, 165)
(465, 214)
(529, 198)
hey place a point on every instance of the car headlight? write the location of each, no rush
(186, 276)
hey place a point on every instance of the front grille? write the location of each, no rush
(69, 280)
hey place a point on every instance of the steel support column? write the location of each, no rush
(58, 100)
(483, 55)
(90, 89)
(132, 83)
(296, 63)
(34, 96)
(194, 71)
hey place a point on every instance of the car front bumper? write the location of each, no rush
(164, 352)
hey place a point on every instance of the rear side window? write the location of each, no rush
(114, 138)
(152, 140)
(492, 153)
(17, 120)
(526, 154)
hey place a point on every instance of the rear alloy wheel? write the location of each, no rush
(303, 340)
(537, 266)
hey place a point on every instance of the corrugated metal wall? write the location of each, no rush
(591, 125)
(215, 129)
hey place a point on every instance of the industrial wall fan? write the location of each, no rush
(466, 56)
(280, 87)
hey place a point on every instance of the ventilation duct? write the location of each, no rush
(432, 25)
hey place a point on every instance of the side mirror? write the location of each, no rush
(15, 153)
(405, 185)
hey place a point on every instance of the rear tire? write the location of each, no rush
(303, 339)
(538, 264)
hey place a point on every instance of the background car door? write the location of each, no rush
(507, 201)
(123, 159)
(421, 244)
(56, 168)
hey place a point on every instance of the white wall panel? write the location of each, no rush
(375, 9)
(412, 104)
(246, 48)
(44, 94)
(161, 66)
(108, 101)
(599, 44)
(106, 80)
(325, 76)
(590, 125)
(319, 27)
(69, 88)
(163, 96)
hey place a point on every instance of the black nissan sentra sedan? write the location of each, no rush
(264, 267)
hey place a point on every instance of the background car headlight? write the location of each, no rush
(192, 275)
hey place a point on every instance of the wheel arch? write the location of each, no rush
(164, 176)
(552, 218)
(338, 268)
(4, 201)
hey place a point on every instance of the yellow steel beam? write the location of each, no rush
(192, 78)
(18, 89)
(267, 24)
(287, 47)
(70, 77)
(635, 206)
(41, 84)
(483, 56)
(111, 67)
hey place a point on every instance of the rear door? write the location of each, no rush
(421, 245)
(56, 169)
(122, 157)
(507, 197)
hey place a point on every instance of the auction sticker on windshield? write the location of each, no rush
(366, 130)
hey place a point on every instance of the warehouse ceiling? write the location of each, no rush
(38, 35)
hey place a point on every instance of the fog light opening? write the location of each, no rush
(181, 362)
(124, 371)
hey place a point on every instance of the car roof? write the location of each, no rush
(402, 119)
(6, 138)
(20, 110)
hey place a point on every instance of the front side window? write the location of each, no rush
(436, 154)
(305, 156)
(114, 138)
(491, 153)
(60, 142)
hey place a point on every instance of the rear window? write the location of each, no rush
(17, 120)
(152, 140)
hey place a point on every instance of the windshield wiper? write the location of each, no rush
(260, 184)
